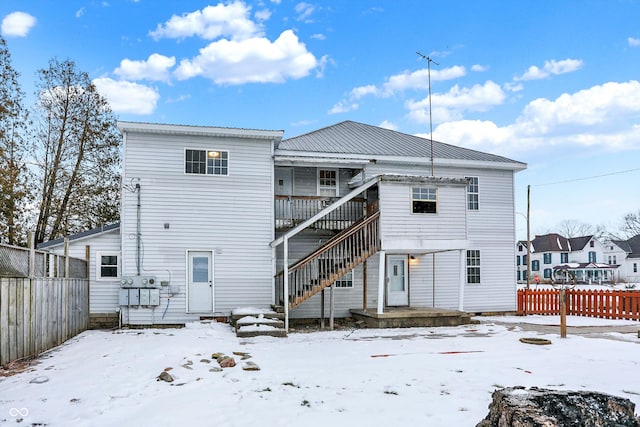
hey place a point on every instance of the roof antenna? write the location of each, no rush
(429, 61)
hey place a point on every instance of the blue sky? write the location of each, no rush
(552, 84)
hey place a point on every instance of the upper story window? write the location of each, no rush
(535, 265)
(592, 257)
(473, 203)
(206, 162)
(106, 265)
(424, 200)
(328, 182)
(564, 257)
(591, 244)
(547, 257)
(518, 260)
(635, 267)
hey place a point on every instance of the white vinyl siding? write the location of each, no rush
(179, 212)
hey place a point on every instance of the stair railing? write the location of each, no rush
(329, 262)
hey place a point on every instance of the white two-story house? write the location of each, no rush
(213, 219)
(583, 257)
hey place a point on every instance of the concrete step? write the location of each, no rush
(238, 313)
(253, 320)
(260, 330)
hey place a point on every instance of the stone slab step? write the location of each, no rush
(238, 313)
(252, 320)
(260, 330)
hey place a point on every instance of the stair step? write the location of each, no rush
(239, 313)
(260, 330)
(252, 320)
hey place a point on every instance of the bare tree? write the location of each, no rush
(77, 148)
(573, 228)
(631, 224)
(14, 191)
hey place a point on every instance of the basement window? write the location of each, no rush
(206, 162)
(424, 200)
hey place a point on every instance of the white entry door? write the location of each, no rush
(200, 281)
(397, 281)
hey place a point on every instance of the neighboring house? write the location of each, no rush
(214, 219)
(626, 253)
(552, 253)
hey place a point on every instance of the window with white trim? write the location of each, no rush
(547, 257)
(345, 281)
(328, 182)
(473, 266)
(564, 257)
(547, 273)
(592, 257)
(424, 200)
(206, 162)
(473, 202)
(107, 265)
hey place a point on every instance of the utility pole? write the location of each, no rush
(429, 61)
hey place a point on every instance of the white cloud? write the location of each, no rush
(606, 116)
(479, 68)
(551, 67)
(633, 42)
(263, 15)
(230, 20)
(386, 124)
(79, 12)
(156, 67)
(343, 107)
(304, 11)
(419, 79)
(128, 97)
(452, 104)
(360, 91)
(17, 24)
(318, 36)
(253, 60)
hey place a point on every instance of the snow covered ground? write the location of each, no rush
(417, 376)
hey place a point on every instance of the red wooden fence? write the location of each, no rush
(603, 304)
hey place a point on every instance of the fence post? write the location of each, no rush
(32, 292)
(66, 281)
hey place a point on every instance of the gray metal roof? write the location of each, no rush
(350, 137)
(630, 246)
(81, 235)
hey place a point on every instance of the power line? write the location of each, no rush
(587, 177)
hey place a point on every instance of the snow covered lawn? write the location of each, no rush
(386, 377)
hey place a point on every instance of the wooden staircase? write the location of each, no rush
(336, 257)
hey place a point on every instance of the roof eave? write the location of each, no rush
(304, 156)
(166, 129)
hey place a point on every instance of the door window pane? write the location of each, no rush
(200, 272)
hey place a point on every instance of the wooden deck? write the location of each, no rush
(408, 317)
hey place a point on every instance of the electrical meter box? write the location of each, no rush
(123, 297)
(154, 296)
(144, 296)
(134, 297)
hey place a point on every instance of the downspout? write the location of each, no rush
(138, 242)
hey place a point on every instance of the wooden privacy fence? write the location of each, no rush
(39, 314)
(603, 304)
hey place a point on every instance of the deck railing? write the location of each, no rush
(329, 262)
(588, 303)
(293, 210)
